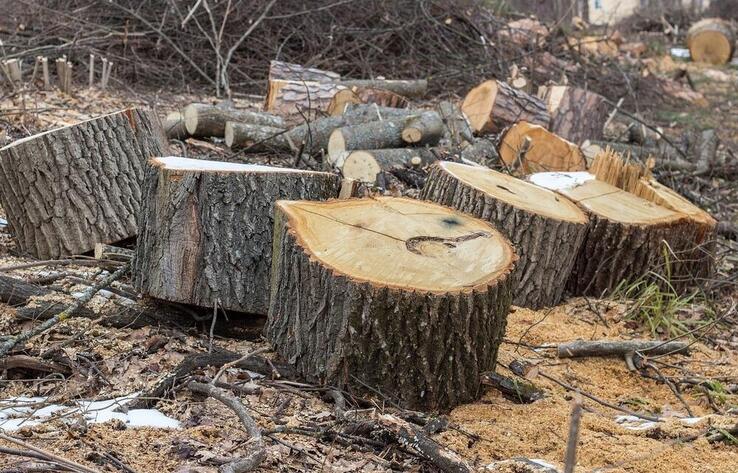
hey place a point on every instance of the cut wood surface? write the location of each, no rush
(626, 233)
(203, 121)
(366, 165)
(365, 95)
(547, 229)
(528, 148)
(711, 40)
(66, 189)
(280, 70)
(577, 114)
(206, 229)
(365, 291)
(494, 105)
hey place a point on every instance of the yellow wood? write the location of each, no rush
(478, 104)
(546, 151)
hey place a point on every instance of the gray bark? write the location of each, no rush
(407, 88)
(206, 237)
(423, 129)
(70, 188)
(280, 70)
(254, 137)
(174, 126)
(579, 116)
(584, 348)
(203, 121)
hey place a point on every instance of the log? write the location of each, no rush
(280, 70)
(457, 126)
(547, 230)
(112, 253)
(626, 235)
(423, 129)
(365, 95)
(174, 126)
(204, 121)
(297, 100)
(577, 114)
(414, 88)
(585, 348)
(528, 148)
(494, 105)
(66, 189)
(481, 150)
(711, 40)
(518, 391)
(365, 166)
(206, 229)
(365, 291)
(14, 291)
(255, 137)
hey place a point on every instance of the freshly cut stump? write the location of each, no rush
(66, 189)
(547, 229)
(206, 229)
(711, 40)
(397, 295)
(494, 105)
(577, 114)
(626, 233)
(528, 148)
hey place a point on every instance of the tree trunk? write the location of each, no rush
(365, 95)
(711, 40)
(365, 166)
(546, 229)
(626, 235)
(174, 126)
(423, 129)
(69, 188)
(527, 149)
(494, 105)
(204, 121)
(365, 291)
(577, 114)
(279, 70)
(206, 229)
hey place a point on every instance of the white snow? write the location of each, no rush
(681, 53)
(25, 411)
(636, 423)
(179, 163)
(557, 181)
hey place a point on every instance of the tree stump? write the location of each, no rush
(494, 105)
(626, 235)
(528, 148)
(66, 189)
(206, 229)
(711, 40)
(547, 230)
(577, 114)
(397, 295)
(204, 121)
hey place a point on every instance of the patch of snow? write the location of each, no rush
(179, 163)
(557, 181)
(636, 423)
(25, 411)
(681, 53)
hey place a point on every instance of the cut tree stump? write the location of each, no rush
(366, 165)
(711, 40)
(66, 189)
(494, 105)
(366, 291)
(577, 114)
(206, 229)
(204, 121)
(528, 148)
(547, 229)
(365, 95)
(626, 235)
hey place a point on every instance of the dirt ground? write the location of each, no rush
(122, 362)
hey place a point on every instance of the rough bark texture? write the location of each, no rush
(203, 121)
(407, 88)
(494, 105)
(206, 236)
(457, 130)
(255, 137)
(72, 187)
(297, 100)
(280, 70)
(577, 114)
(425, 350)
(174, 126)
(546, 247)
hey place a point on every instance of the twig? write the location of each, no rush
(49, 456)
(570, 458)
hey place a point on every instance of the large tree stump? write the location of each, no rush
(547, 229)
(494, 105)
(528, 148)
(405, 297)
(577, 114)
(66, 189)
(206, 229)
(626, 235)
(204, 121)
(711, 40)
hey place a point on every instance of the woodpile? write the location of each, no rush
(206, 229)
(364, 291)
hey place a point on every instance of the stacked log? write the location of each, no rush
(494, 105)
(67, 189)
(547, 230)
(365, 291)
(206, 229)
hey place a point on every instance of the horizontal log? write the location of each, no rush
(203, 121)
(582, 348)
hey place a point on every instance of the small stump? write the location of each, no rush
(394, 295)
(206, 229)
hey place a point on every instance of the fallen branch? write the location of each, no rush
(518, 391)
(583, 348)
(51, 457)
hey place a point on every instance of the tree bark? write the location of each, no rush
(457, 129)
(414, 88)
(72, 187)
(113, 253)
(365, 166)
(547, 230)
(365, 95)
(494, 105)
(204, 121)
(206, 230)
(174, 126)
(585, 348)
(711, 40)
(255, 137)
(299, 100)
(527, 148)
(425, 128)
(280, 70)
(354, 320)
(577, 114)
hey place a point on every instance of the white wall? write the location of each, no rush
(609, 11)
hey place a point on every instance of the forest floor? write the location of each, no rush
(197, 436)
